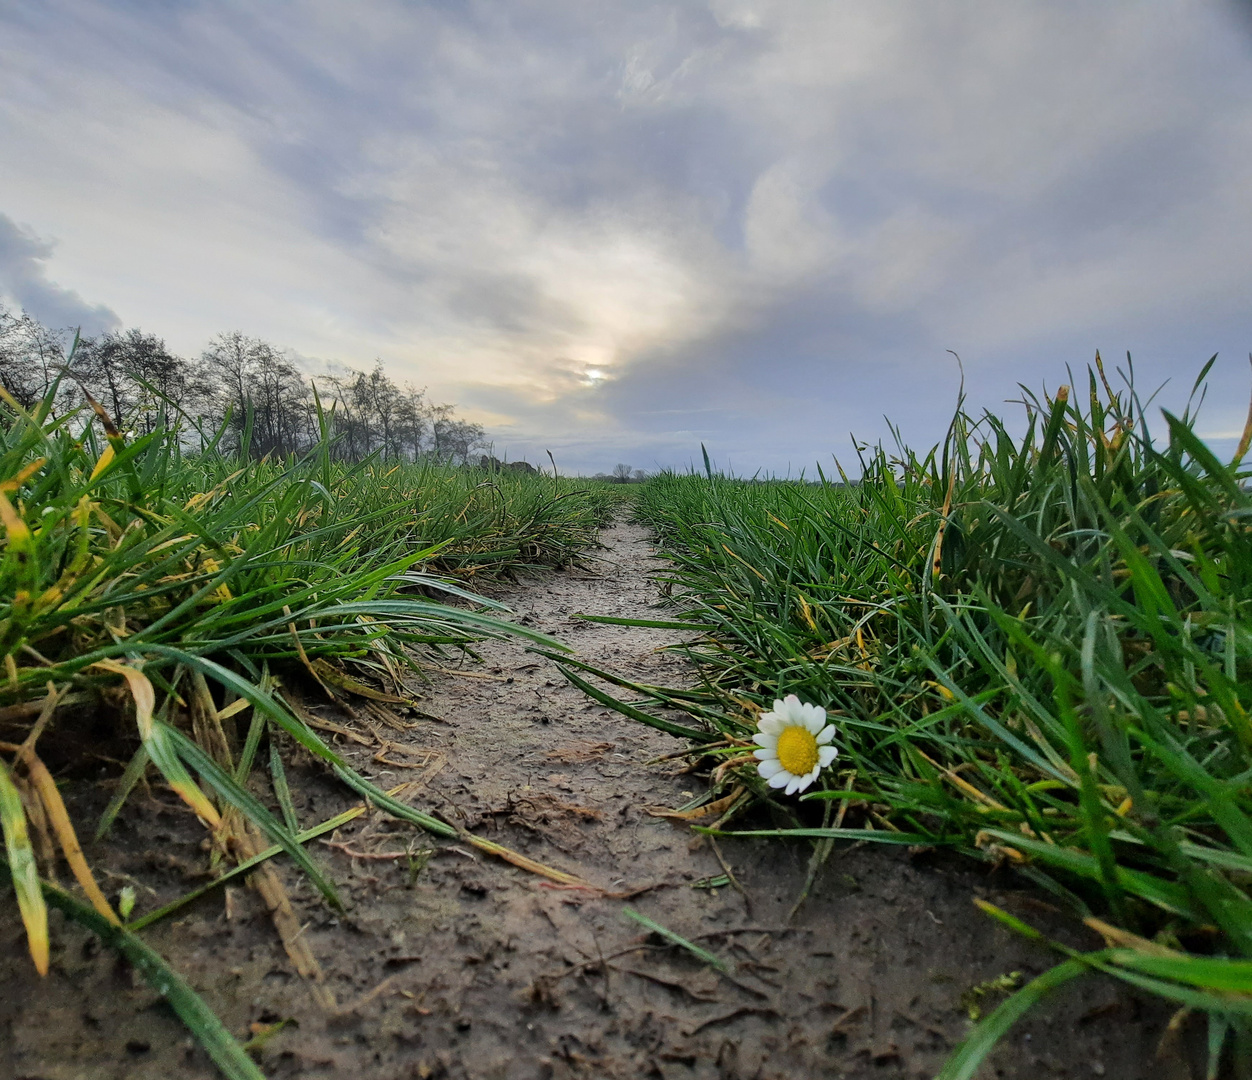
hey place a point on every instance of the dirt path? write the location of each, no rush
(466, 967)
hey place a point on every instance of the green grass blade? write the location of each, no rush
(700, 954)
(655, 624)
(633, 713)
(200, 1020)
(237, 871)
(393, 806)
(278, 777)
(968, 1057)
(247, 803)
(130, 777)
(24, 874)
(1207, 973)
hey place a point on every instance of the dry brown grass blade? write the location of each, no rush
(386, 716)
(730, 874)
(370, 995)
(110, 428)
(843, 805)
(472, 674)
(14, 483)
(964, 785)
(37, 822)
(46, 709)
(1116, 937)
(521, 861)
(206, 723)
(383, 759)
(328, 673)
(269, 885)
(936, 565)
(304, 657)
(326, 725)
(690, 750)
(141, 690)
(13, 713)
(694, 814)
(410, 787)
(25, 877)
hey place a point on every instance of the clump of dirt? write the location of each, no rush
(449, 963)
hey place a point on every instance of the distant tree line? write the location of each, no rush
(623, 474)
(241, 384)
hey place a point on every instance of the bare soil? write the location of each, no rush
(454, 964)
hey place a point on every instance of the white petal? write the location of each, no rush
(765, 738)
(769, 768)
(825, 755)
(779, 706)
(771, 722)
(797, 784)
(767, 754)
(807, 779)
(779, 778)
(826, 734)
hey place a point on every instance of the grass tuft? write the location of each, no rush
(172, 590)
(1036, 643)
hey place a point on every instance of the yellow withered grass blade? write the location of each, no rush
(20, 542)
(25, 874)
(14, 482)
(64, 829)
(103, 462)
(155, 743)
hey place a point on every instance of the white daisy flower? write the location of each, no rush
(795, 744)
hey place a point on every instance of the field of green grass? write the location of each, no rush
(175, 590)
(1035, 643)
(1037, 651)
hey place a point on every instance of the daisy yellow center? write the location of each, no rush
(797, 750)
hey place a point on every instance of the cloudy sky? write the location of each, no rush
(619, 230)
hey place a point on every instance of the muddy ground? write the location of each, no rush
(454, 964)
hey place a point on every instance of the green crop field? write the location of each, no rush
(173, 588)
(1034, 643)
(1036, 650)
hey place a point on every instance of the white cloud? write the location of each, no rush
(528, 208)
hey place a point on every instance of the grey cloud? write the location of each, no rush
(507, 302)
(765, 221)
(23, 279)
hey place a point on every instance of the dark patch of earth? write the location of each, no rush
(461, 966)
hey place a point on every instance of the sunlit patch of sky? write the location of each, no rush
(620, 231)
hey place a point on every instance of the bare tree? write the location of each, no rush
(31, 357)
(412, 421)
(137, 378)
(262, 396)
(454, 440)
(254, 383)
(621, 473)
